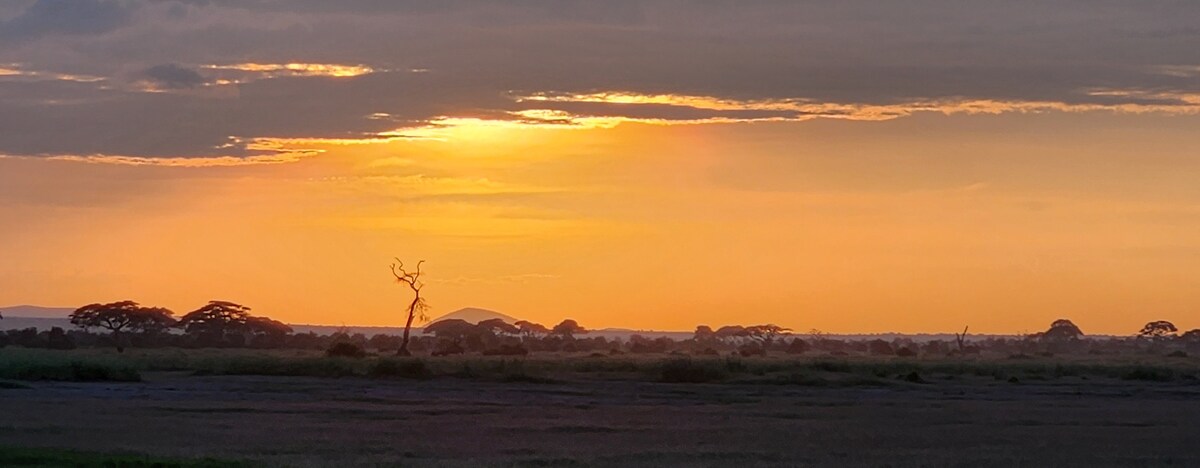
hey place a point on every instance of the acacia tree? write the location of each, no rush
(568, 329)
(1062, 330)
(531, 330)
(267, 332)
(454, 330)
(216, 319)
(1158, 330)
(732, 333)
(119, 317)
(418, 306)
(498, 326)
(765, 334)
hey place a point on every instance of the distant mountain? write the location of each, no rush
(474, 315)
(35, 311)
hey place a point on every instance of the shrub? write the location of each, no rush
(1154, 374)
(751, 349)
(688, 371)
(448, 349)
(71, 371)
(797, 346)
(405, 368)
(880, 348)
(906, 352)
(1177, 354)
(507, 350)
(343, 349)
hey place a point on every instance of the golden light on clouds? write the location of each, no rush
(296, 69)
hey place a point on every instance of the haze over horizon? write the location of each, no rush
(855, 167)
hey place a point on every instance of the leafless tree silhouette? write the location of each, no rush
(962, 339)
(418, 306)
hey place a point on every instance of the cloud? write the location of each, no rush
(172, 76)
(263, 70)
(71, 17)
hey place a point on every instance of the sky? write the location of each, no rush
(849, 166)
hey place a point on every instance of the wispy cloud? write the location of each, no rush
(296, 69)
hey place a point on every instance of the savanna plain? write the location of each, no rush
(227, 407)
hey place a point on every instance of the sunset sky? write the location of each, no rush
(850, 166)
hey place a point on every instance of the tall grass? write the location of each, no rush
(21, 364)
(85, 365)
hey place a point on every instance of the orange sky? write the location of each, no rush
(1000, 222)
(856, 166)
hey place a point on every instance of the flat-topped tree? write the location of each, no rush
(568, 329)
(121, 317)
(765, 334)
(418, 306)
(1062, 330)
(1158, 330)
(531, 330)
(215, 320)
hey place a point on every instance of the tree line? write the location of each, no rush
(226, 324)
(218, 323)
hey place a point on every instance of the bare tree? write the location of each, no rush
(418, 306)
(961, 338)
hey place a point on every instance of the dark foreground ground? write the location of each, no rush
(297, 421)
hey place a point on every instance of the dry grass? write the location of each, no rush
(96, 365)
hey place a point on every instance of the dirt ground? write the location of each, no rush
(286, 421)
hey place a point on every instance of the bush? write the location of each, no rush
(507, 350)
(349, 350)
(70, 371)
(405, 368)
(905, 352)
(688, 371)
(448, 349)
(797, 346)
(1178, 354)
(751, 349)
(1154, 374)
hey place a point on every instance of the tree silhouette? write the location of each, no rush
(455, 330)
(961, 339)
(568, 329)
(765, 334)
(215, 320)
(119, 317)
(530, 329)
(418, 306)
(498, 326)
(1158, 330)
(1062, 330)
(266, 332)
(730, 332)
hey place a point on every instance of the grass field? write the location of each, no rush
(44, 457)
(171, 407)
(106, 365)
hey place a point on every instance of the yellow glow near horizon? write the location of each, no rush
(834, 225)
